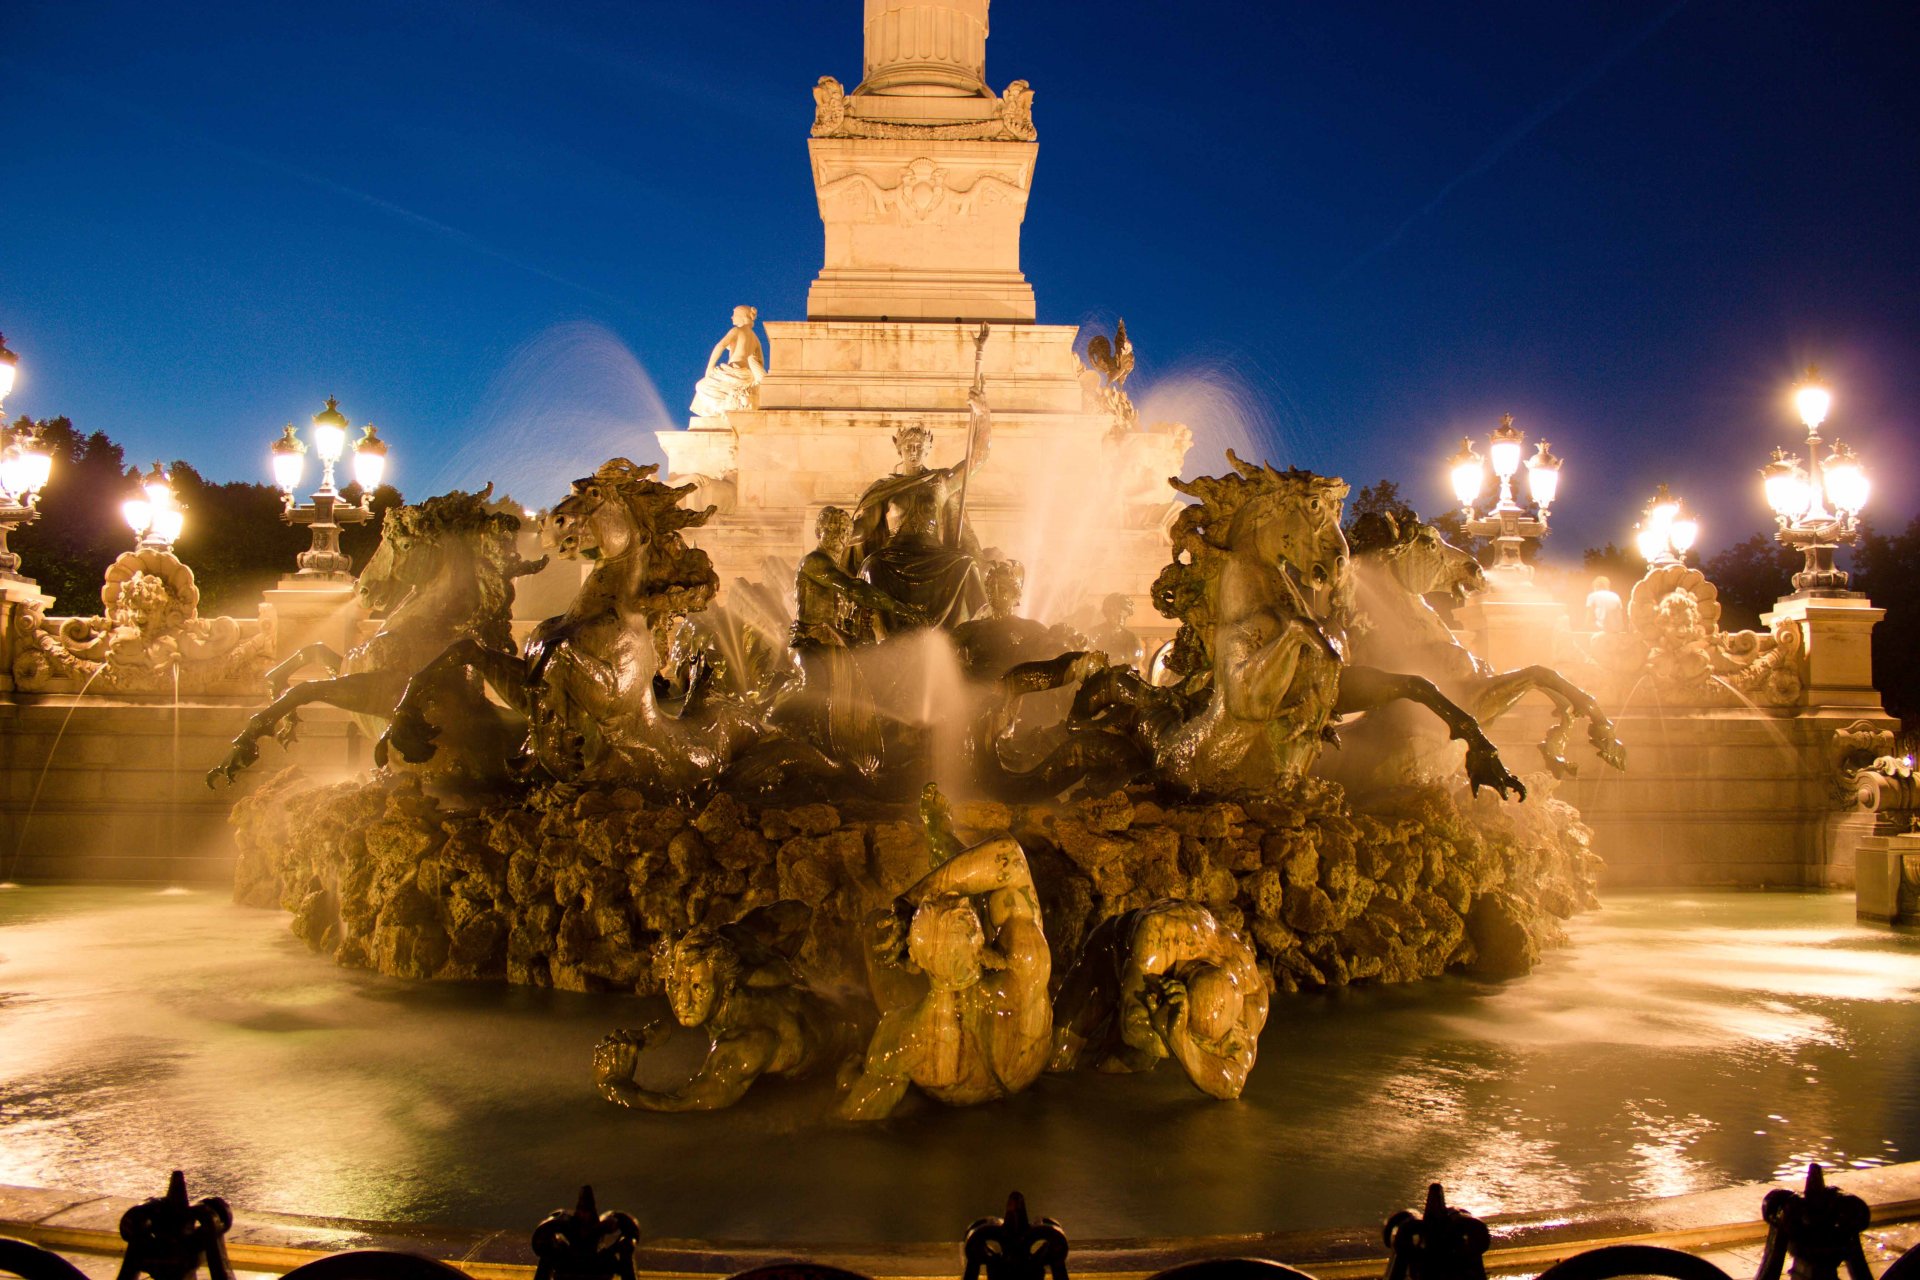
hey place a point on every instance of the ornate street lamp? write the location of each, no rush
(328, 512)
(154, 513)
(1666, 532)
(25, 464)
(1817, 507)
(1508, 523)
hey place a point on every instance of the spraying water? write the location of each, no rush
(20, 842)
(565, 402)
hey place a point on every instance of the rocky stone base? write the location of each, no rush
(570, 886)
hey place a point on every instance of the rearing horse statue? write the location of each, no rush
(444, 570)
(1397, 563)
(586, 680)
(1262, 586)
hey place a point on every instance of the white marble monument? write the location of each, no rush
(922, 174)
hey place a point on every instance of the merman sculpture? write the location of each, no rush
(982, 1026)
(1166, 980)
(1113, 637)
(736, 985)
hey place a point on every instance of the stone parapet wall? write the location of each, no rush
(100, 789)
(1741, 797)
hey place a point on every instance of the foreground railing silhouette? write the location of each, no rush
(1811, 1234)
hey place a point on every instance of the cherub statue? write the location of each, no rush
(981, 1029)
(758, 1019)
(829, 107)
(1165, 980)
(732, 385)
(1016, 111)
(1115, 638)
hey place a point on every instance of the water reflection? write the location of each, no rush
(1684, 1042)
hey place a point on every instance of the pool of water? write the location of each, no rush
(1684, 1042)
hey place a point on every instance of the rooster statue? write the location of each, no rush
(1114, 360)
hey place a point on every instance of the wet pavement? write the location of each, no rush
(1685, 1042)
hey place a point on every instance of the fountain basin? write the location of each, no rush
(1683, 1043)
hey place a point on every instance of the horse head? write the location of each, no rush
(621, 512)
(1415, 556)
(1290, 522)
(446, 540)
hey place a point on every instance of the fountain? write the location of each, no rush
(882, 830)
(903, 823)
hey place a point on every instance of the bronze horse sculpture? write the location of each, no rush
(586, 681)
(1397, 564)
(1262, 584)
(443, 572)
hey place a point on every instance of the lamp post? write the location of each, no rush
(1666, 532)
(1816, 507)
(1508, 523)
(25, 464)
(154, 513)
(328, 512)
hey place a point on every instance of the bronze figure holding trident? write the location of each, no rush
(911, 526)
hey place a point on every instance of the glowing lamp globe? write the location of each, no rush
(168, 522)
(330, 432)
(1812, 401)
(289, 460)
(1846, 479)
(138, 513)
(1543, 476)
(1786, 485)
(1682, 533)
(1650, 542)
(1467, 472)
(36, 462)
(158, 488)
(1505, 448)
(13, 473)
(369, 460)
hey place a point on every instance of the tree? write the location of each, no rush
(1621, 568)
(1751, 575)
(1381, 497)
(79, 531)
(1887, 568)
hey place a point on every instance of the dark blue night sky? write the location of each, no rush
(1628, 223)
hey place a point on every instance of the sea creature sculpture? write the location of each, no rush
(1397, 564)
(980, 1026)
(735, 984)
(1164, 980)
(442, 574)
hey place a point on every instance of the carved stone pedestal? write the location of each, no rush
(1887, 883)
(303, 613)
(1836, 633)
(1514, 630)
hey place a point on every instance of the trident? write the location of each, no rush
(980, 390)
